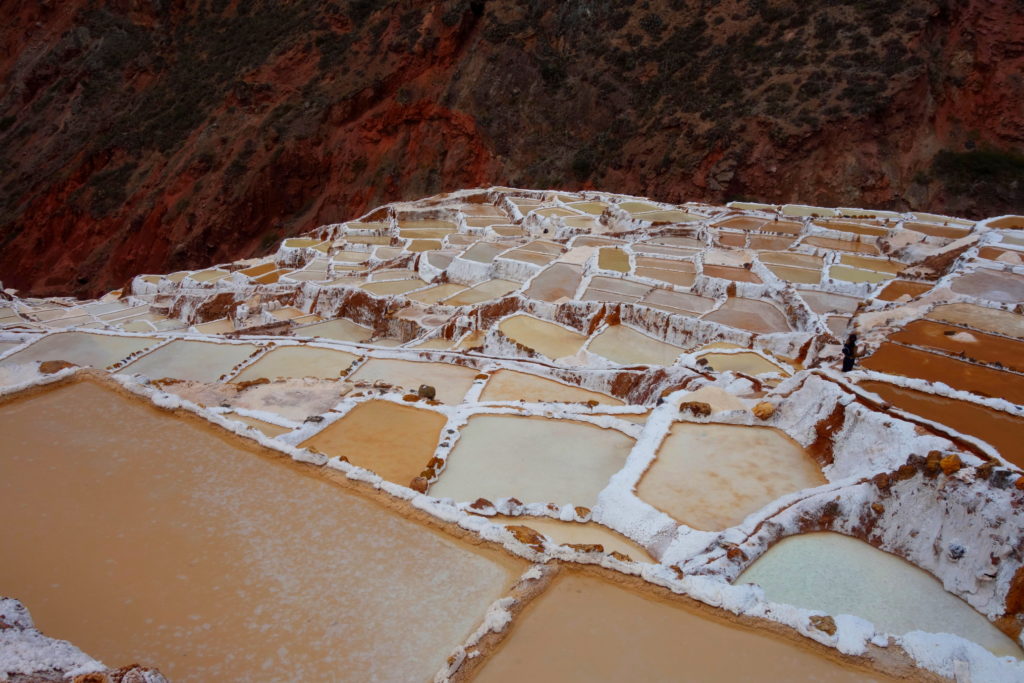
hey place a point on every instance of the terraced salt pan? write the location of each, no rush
(841, 575)
(450, 381)
(432, 295)
(898, 288)
(81, 348)
(855, 246)
(711, 476)
(1003, 431)
(804, 276)
(979, 379)
(217, 563)
(749, 363)
(182, 359)
(987, 319)
(750, 315)
(341, 329)
(848, 274)
(501, 456)
(588, 629)
(576, 532)
(992, 285)
(293, 399)
(730, 273)
(558, 281)
(393, 440)
(298, 361)
(222, 326)
(485, 291)
(267, 428)
(626, 346)
(987, 348)
(511, 385)
(393, 286)
(554, 341)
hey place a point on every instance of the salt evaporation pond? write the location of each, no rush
(199, 361)
(579, 532)
(711, 476)
(449, 381)
(841, 575)
(588, 629)
(80, 348)
(510, 385)
(626, 346)
(393, 440)
(554, 341)
(341, 329)
(298, 361)
(170, 544)
(534, 459)
(1002, 430)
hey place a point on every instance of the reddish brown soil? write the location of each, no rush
(149, 136)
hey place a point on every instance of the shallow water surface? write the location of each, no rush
(534, 459)
(842, 575)
(711, 476)
(589, 629)
(170, 545)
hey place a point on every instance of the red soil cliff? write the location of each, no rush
(140, 136)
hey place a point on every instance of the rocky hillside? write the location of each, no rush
(150, 135)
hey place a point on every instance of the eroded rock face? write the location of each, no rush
(158, 150)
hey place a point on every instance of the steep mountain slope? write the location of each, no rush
(152, 135)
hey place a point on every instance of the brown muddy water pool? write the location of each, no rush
(169, 544)
(585, 629)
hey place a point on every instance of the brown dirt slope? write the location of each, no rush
(150, 135)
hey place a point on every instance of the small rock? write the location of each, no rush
(698, 408)
(419, 484)
(951, 464)
(905, 472)
(410, 397)
(621, 557)
(527, 536)
(1019, 484)
(956, 551)
(824, 624)
(764, 410)
(984, 471)
(48, 367)
(482, 375)
(482, 506)
(582, 513)
(932, 465)
(734, 553)
(586, 547)
(427, 391)
(314, 418)
(878, 508)
(242, 386)
(882, 481)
